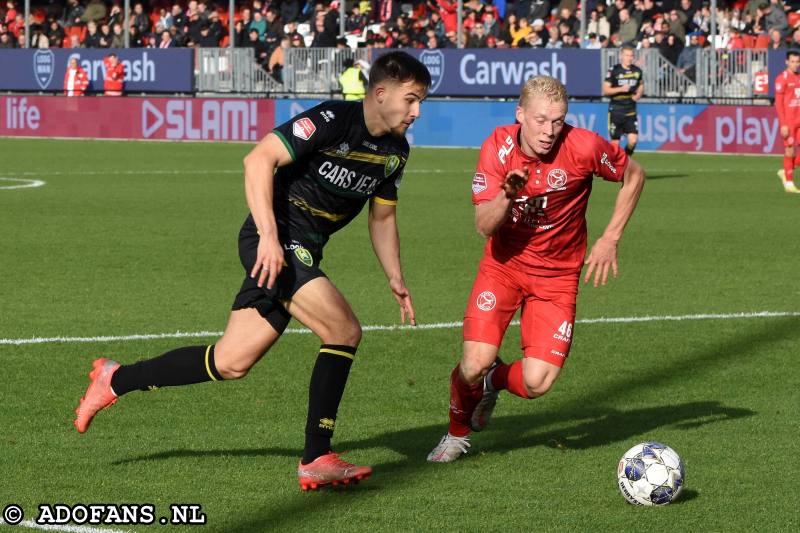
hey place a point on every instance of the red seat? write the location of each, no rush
(762, 41)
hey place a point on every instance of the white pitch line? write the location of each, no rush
(378, 327)
(71, 529)
(26, 184)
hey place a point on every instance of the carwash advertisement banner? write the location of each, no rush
(146, 70)
(180, 119)
(662, 127)
(484, 72)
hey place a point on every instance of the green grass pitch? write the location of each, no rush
(140, 238)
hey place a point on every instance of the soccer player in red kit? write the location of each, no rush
(787, 104)
(530, 191)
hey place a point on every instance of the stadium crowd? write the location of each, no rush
(272, 26)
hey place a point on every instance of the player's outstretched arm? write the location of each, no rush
(386, 243)
(603, 256)
(489, 216)
(259, 175)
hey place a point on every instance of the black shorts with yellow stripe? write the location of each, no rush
(622, 123)
(301, 265)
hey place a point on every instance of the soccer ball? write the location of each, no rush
(650, 473)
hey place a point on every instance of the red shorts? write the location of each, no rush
(548, 310)
(794, 136)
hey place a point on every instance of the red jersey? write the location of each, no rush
(545, 232)
(114, 78)
(75, 82)
(787, 98)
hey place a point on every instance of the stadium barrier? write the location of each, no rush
(147, 70)
(720, 76)
(662, 127)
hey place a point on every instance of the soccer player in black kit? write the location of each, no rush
(625, 86)
(304, 181)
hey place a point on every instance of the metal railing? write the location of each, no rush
(317, 70)
(718, 73)
(231, 70)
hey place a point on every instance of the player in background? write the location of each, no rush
(530, 190)
(787, 104)
(304, 181)
(625, 86)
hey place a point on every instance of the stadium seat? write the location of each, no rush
(749, 41)
(794, 18)
(762, 41)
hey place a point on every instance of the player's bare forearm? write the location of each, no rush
(259, 175)
(489, 216)
(385, 238)
(627, 198)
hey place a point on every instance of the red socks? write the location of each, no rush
(788, 166)
(463, 400)
(509, 377)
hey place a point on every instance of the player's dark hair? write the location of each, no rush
(791, 53)
(399, 67)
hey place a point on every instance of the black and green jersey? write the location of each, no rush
(619, 76)
(337, 166)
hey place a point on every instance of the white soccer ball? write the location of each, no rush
(650, 473)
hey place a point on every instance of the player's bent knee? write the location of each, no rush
(235, 365)
(473, 368)
(538, 383)
(347, 334)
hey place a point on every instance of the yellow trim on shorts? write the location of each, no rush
(336, 352)
(208, 368)
(383, 201)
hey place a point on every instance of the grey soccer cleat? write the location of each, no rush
(449, 449)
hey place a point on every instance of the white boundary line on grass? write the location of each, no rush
(25, 183)
(377, 327)
(71, 529)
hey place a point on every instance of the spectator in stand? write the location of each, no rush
(323, 36)
(274, 28)
(735, 41)
(776, 40)
(491, 25)
(687, 60)
(277, 58)
(75, 79)
(520, 32)
(491, 42)
(598, 24)
(117, 36)
(115, 14)
(389, 10)
(290, 10)
(448, 11)
(613, 15)
(290, 31)
(451, 40)
(114, 80)
(178, 18)
(353, 80)
(166, 40)
(105, 36)
(73, 12)
(75, 41)
(554, 38)
(6, 41)
(206, 39)
(39, 38)
(477, 38)
(259, 24)
(671, 48)
(139, 19)
(55, 34)
(298, 41)
(215, 26)
(566, 17)
(355, 22)
(795, 42)
(150, 41)
(260, 50)
(538, 27)
(164, 18)
(628, 28)
(11, 12)
(774, 17)
(522, 9)
(92, 38)
(539, 9)
(532, 40)
(677, 24)
(568, 40)
(95, 11)
(591, 42)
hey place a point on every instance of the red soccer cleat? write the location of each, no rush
(328, 469)
(98, 396)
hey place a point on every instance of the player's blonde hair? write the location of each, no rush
(546, 86)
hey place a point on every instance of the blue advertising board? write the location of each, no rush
(484, 72)
(149, 70)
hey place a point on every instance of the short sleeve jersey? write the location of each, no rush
(787, 98)
(337, 167)
(545, 232)
(619, 76)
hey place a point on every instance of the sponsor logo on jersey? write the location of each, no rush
(343, 149)
(478, 182)
(604, 161)
(327, 116)
(370, 145)
(304, 256)
(556, 178)
(391, 165)
(303, 128)
(327, 423)
(486, 301)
